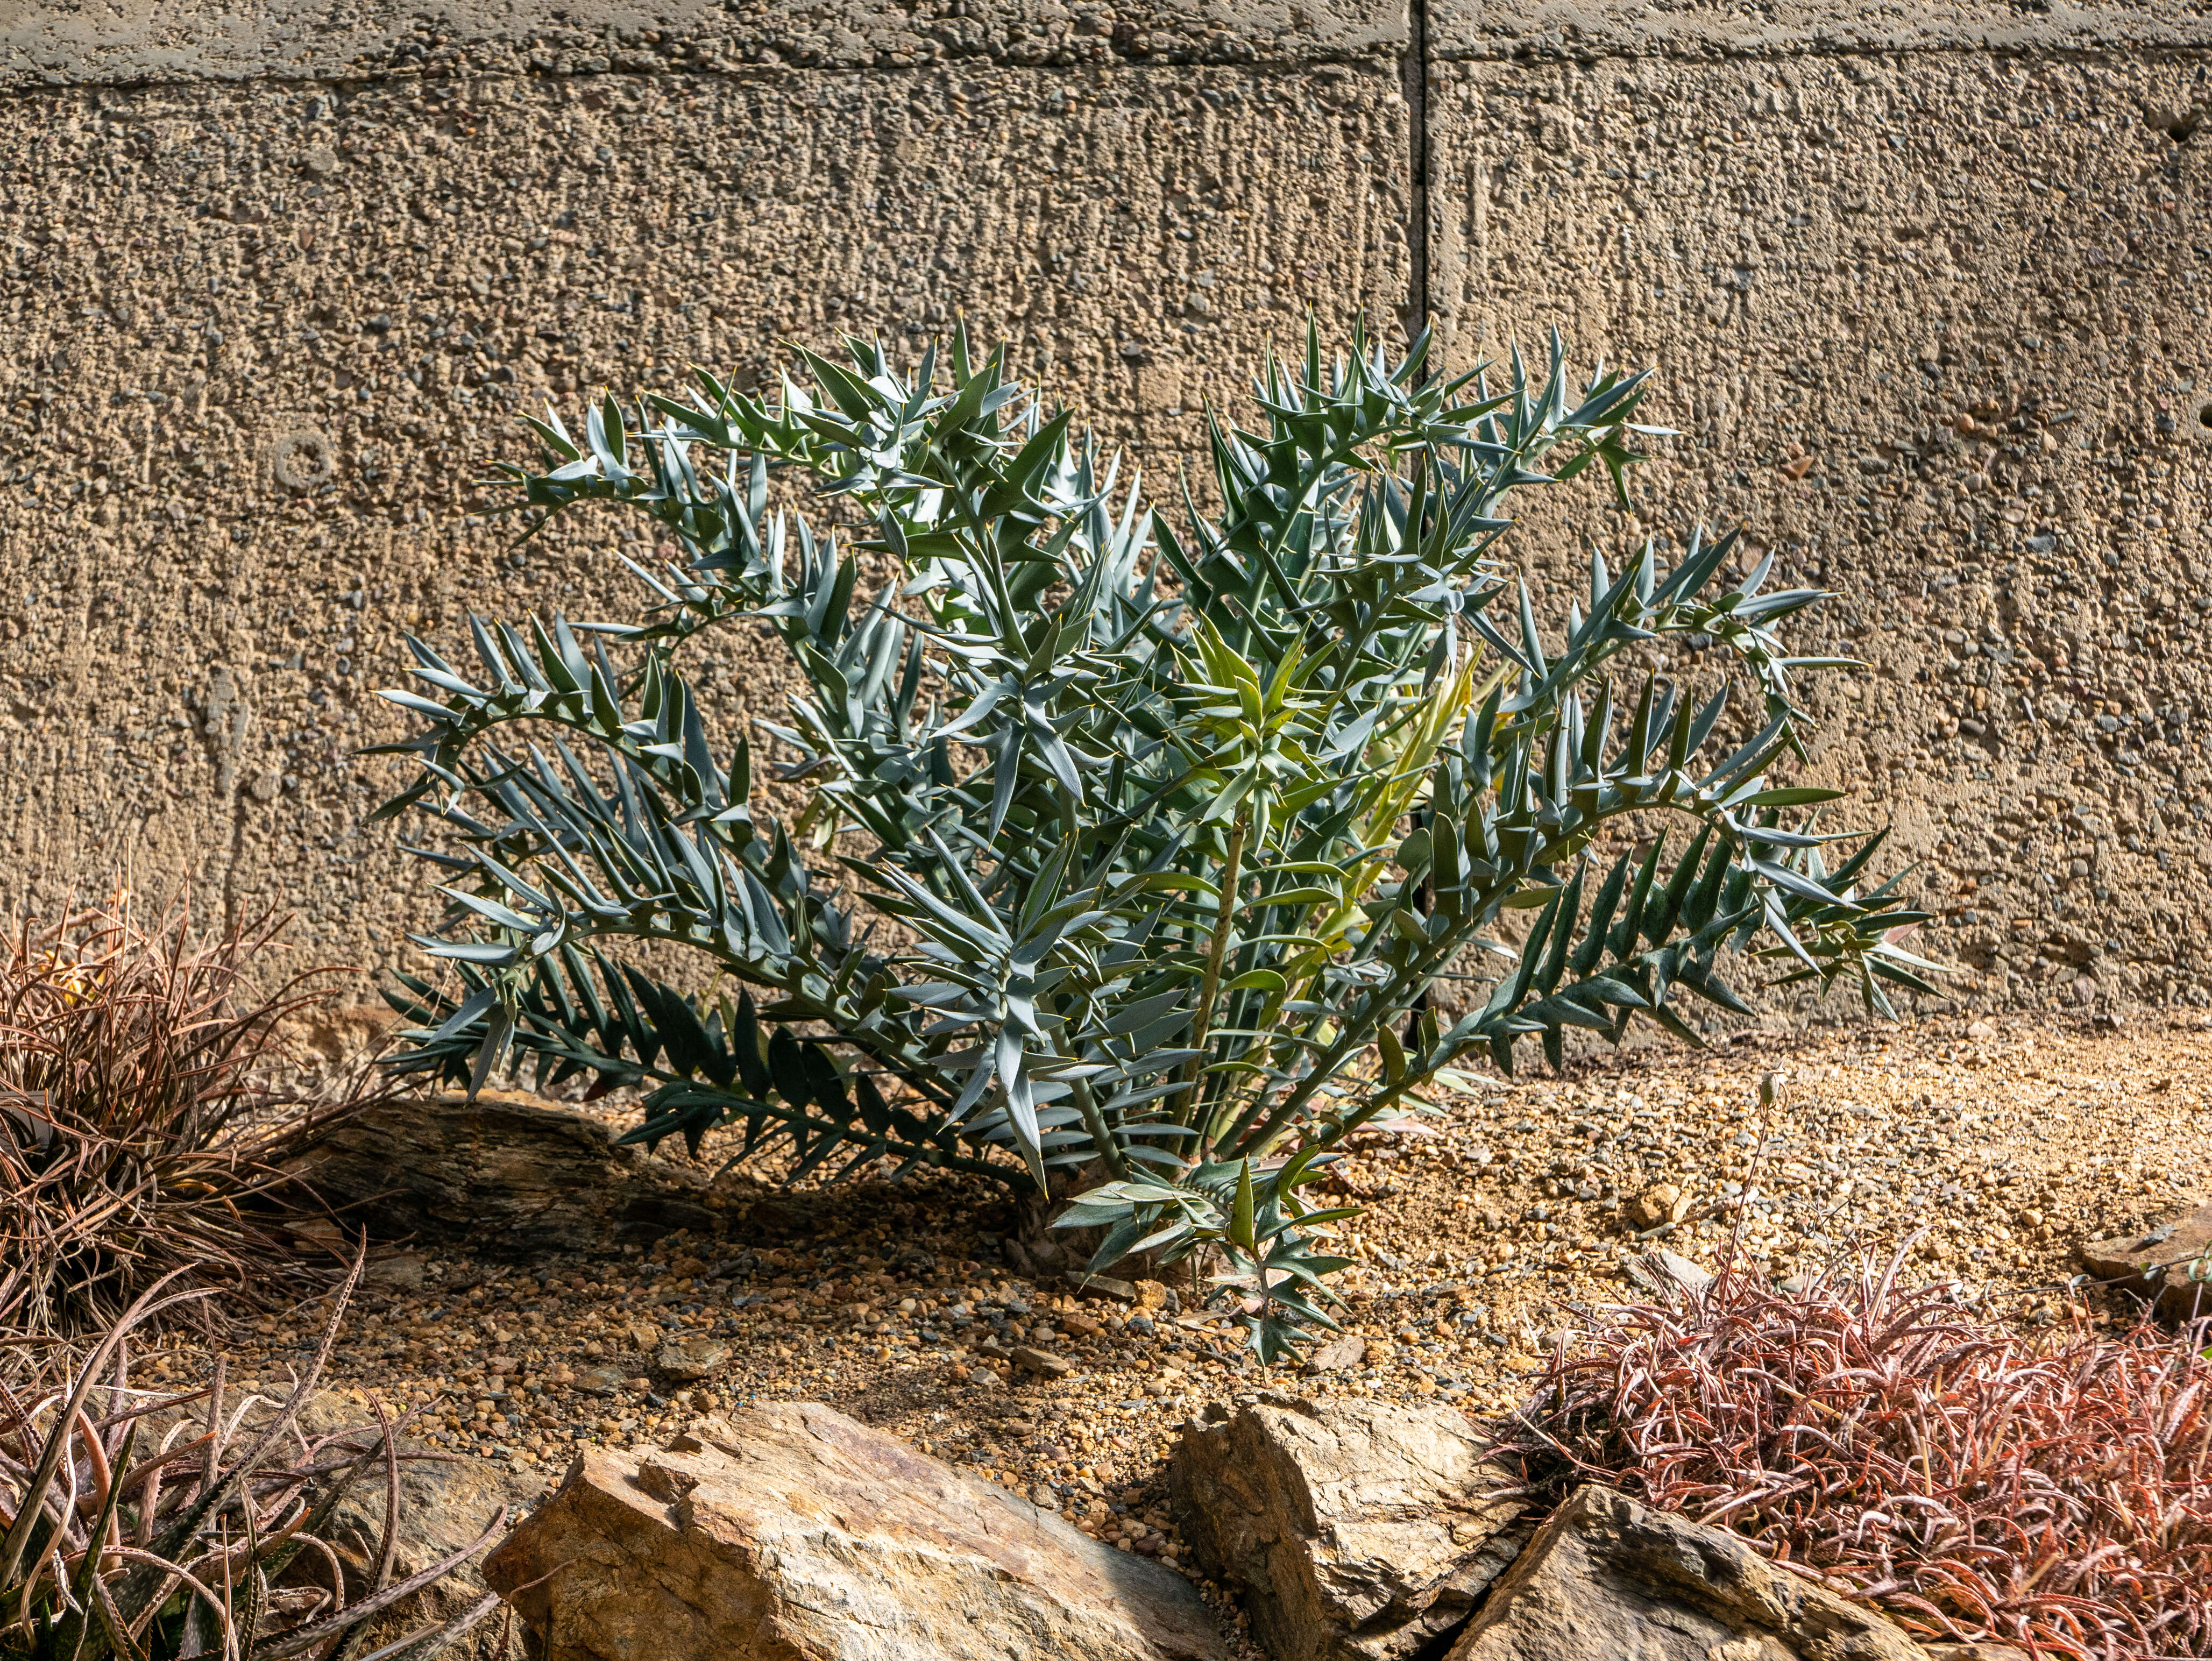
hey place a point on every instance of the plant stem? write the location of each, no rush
(1232, 875)
(1357, 1033)
(1102, 1134)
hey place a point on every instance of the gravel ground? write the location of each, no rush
(1511, 1219)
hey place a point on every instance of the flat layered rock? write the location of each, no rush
(507, 1174)
(2155, 1262)
(790, 1532)
(1355, 1530)
(1608, 1577)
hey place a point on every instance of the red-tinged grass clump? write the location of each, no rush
(2049, 1490)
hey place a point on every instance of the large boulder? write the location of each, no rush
(792, 1531)
(1608, 1577)
(1354, 1530)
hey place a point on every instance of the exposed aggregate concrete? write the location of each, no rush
(1925, 287)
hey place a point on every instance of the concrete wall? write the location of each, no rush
(1925, 287)
(1929, 306)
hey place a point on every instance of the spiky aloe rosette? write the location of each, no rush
(155, 1525)
(1179, 819)
(2049, 1490)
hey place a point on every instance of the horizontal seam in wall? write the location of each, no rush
(1552, 58)
(1380, 59)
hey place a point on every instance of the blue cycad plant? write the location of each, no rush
(1126, 844)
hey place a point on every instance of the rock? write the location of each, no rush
(445, 1501)
(401, 1272)
(1356, 1530)
(601, 1381)
(2155, 1262)
(510, 1175)
(796, 1531)
(1608, 1577)
(1669, 1271)
(666, 1482)
(1337, 1355)
(1043, 1362)
(1101, 1286)
(687, 1360)
(1664, 1203)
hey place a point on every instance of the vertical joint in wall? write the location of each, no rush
(1414, 70)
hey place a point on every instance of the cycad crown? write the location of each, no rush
(1174, 830)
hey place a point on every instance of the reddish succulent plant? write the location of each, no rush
(144, 1124)
(159, 1526)
(2049, 1490)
